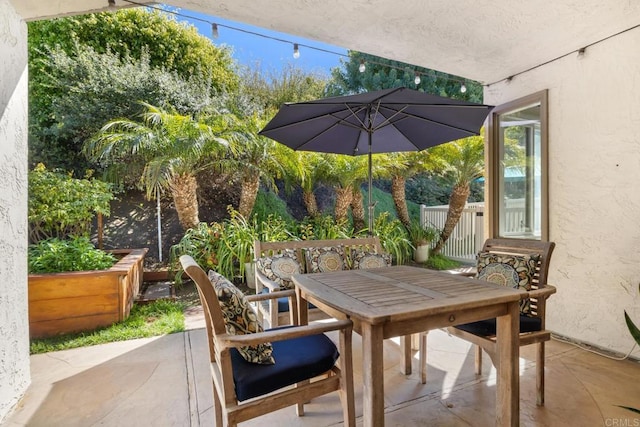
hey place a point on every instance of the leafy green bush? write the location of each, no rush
(61, 206)
(77, 254)
(441, 262)
(268, 203)
(322, 227)
(393, 237)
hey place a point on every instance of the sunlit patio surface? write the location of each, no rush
(164, 381)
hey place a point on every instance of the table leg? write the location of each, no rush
(405, 354)
(303, 308)
(508, 381)
(372, 375)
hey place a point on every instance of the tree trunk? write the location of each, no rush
(310, 203)
(357, 209)
(248, 193)
(398, 184)
(343, 201)
(457, 202)
(184, 191)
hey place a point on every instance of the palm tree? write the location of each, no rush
(303, 169)
(400, 167)
(253, 161)
(162, 152)
(346, 174)
(461, 161)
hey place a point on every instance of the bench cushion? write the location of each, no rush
(298, 359)
(240, 319)
(365, 258)
(280, 267)
(326, 259)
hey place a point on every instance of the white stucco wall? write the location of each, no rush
(594, 187)
(14, 325)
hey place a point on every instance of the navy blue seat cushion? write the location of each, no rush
(297, 359)
(488, 327)
(283, 303)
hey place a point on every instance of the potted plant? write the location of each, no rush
(421, 237)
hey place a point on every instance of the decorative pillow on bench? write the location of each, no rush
(322, 260)
(240, 319)
(280, 267)
(367, 258)
(515, 271)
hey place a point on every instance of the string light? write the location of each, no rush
(296, 46)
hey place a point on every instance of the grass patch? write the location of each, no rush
(147, 320)
(441, 262)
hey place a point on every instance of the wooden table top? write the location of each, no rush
(401, 293)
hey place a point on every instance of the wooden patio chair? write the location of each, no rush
(243, 390)
(532, 324)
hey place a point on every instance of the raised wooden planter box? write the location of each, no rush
(77, 301)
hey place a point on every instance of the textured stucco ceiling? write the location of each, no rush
(485, 40)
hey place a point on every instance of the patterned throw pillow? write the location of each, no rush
(279, 268)
(364, 258)
(515, 271)
(322, 260)
(240, 319)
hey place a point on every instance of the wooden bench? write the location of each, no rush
(268, 310)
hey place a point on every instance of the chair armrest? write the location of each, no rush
(233, 341)
(263, 281)
(544, 292)
(271, 295)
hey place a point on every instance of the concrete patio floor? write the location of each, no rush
(164, 381)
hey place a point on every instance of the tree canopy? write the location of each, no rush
(86, 70)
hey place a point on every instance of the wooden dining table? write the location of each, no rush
(398, 301)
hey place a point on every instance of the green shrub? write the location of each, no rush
(268, 203)
(77, 254)
(62, 206)
(322, 227)
(393, 237)
(441, 262)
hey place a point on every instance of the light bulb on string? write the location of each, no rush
(296, 51)
(417, 80)
(214, 30)
(362, 67)
(463, 88)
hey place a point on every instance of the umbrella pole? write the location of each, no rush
(370, 202)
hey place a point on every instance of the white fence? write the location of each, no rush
(467, 238)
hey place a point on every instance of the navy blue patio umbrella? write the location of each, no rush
(383, 121)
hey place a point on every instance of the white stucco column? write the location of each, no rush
(14, 322)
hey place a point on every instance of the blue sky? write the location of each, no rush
(272, 55)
